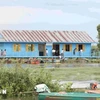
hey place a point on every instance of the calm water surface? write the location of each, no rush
(21, 98)
(54, 65)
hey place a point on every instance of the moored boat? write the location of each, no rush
(68, 96)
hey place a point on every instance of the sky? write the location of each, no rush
(70, 15)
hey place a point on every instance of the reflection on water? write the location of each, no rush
(52, 65)
(22, 98)
(29, 65)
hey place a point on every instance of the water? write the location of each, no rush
(21, 98)
(52, 65)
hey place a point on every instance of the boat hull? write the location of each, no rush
(68, 96)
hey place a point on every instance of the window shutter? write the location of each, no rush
(14, 47)
(19, 47)
(26, 47)
(32, 47)
(83, 47)
(64, 47)
(70, 47)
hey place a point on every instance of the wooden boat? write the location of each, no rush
(68, 96)
(35, 62)
(45, 94)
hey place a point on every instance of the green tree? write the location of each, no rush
(98, 29)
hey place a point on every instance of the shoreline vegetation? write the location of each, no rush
(19, 80)
(48, 60)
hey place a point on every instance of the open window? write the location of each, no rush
(80, 46)
(29, 47)
(67, 47)
(56, 47)
(17, 47)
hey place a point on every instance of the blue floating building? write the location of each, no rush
(33, 43)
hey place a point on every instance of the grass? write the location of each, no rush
(73, 73)
(23, 77)
(77, 73)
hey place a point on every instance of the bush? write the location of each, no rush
(66, 87)
(17, 79)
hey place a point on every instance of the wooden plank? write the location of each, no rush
(93, 91)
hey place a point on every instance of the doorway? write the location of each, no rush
(80, 47)
(42, 50)
(56, 48)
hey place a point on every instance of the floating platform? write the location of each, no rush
(93, 91)
(68, 96)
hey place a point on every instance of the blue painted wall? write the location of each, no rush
(24, 53)
(86, 52)
(49, 47)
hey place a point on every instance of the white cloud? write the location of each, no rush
(95, 1)
(96, 10)
(19, 14)
(79, 0)
(10, 14)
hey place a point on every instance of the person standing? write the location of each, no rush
(1, 52)
(46, 52)
(81, 51)
(60, 56)
(4, 52)
(62, 53)
(74, 51)
(53, 52)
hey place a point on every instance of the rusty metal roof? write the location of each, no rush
(45, 36)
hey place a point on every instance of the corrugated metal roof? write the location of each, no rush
(45, 36)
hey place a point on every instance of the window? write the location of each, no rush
(80, 46)
(29, 47)
(16, 47)
(67, 47)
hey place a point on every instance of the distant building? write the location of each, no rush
(33, 43)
